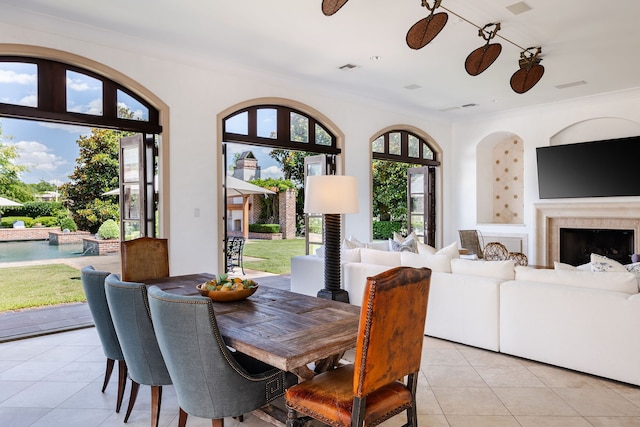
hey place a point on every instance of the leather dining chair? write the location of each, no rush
(388, 348)
(211, 381)
(93, 285)
(129, 308)
(144, 258)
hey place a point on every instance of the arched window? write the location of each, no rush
(52, 91)
(279, 126)
(402, 159)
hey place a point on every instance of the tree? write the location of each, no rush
(291, 162)
(10, 184)
(389, 190)
(96, 172)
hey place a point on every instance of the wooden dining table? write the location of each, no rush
(289, 331)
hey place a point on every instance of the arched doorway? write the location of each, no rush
(292, 130)
(52, 100)
(403, 154)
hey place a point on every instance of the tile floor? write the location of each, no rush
(55, 380)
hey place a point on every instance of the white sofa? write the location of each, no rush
(581, 320)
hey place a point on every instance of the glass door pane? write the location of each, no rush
(314, 165)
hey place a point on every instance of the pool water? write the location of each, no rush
(38, 249)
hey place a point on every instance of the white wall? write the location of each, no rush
(593, 118)
(196, 90)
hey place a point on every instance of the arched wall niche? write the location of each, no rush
(499, 179)
(596, 129)
(437, 149)
(129, 83)
(285, 102)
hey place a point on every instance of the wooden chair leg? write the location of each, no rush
(218, 422)
(292, 417)
(132, 399)
(182, 418)
(156, 403)
(357, 413)
(122, 383)
(107, 373)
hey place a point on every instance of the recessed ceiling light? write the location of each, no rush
(412, 87)
(375, 58)
(518, 8)
(348, 67)
(572, 84)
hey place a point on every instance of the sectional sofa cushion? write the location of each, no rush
(498, 269)
(450, 250)
(377, 257)
(616, 281)
(437, 263)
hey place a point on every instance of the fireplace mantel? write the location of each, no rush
(550, 217)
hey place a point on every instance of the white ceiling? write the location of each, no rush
(581, 41)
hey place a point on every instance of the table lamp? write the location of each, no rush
(332, 196)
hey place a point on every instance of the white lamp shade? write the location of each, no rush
(331, 194)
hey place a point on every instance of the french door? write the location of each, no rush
(421, 203)
(138, 198)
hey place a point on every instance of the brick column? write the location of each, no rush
(287, 206)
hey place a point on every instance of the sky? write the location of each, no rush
(50, 150)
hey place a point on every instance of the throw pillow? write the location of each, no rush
(601, 263)
(401, 244)
(450, 250)
(425, 249)
(562, 266)
(352, 243)
(635, 269)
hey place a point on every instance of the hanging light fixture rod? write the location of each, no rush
(481, 28)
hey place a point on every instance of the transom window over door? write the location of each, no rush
(400, 152)
(279, 127)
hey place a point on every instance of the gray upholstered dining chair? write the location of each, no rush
(129, 308)
(93, 285)
(211, 381)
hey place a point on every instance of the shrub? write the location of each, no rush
(47, 221)
(68, 224)
(7, 221)
(264, 228)
(109, 230)
(385, 229)
(35, 209)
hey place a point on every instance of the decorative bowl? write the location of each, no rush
(226, 296)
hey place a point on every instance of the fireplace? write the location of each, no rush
(550, 218)
(577, 244)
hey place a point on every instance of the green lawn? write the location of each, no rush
(276, 254)
(39, 285)
(51, 284)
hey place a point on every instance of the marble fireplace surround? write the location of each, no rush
(551, 217)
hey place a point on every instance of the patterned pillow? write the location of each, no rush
(401, 244)
(601, 263)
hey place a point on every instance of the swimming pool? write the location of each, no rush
(37, 249)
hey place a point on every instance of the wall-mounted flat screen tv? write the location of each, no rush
(590, 169)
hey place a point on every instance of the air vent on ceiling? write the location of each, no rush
(469, 105)
(518, 8)
(412, 87)
(348, 67)
(572, 84)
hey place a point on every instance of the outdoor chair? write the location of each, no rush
(132, 320)
(144, 258)
(470, 240)
(388, 349)
(93, 285)
(495, 251)
(211, 381)
(235, 249)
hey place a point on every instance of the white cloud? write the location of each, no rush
(94, 107)
(37, 156)
(78, 130)
(29, 101)
(271, 172)
(82, 85)
(7, 76)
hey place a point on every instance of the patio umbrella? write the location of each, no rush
(6, 202)
(237, 187)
